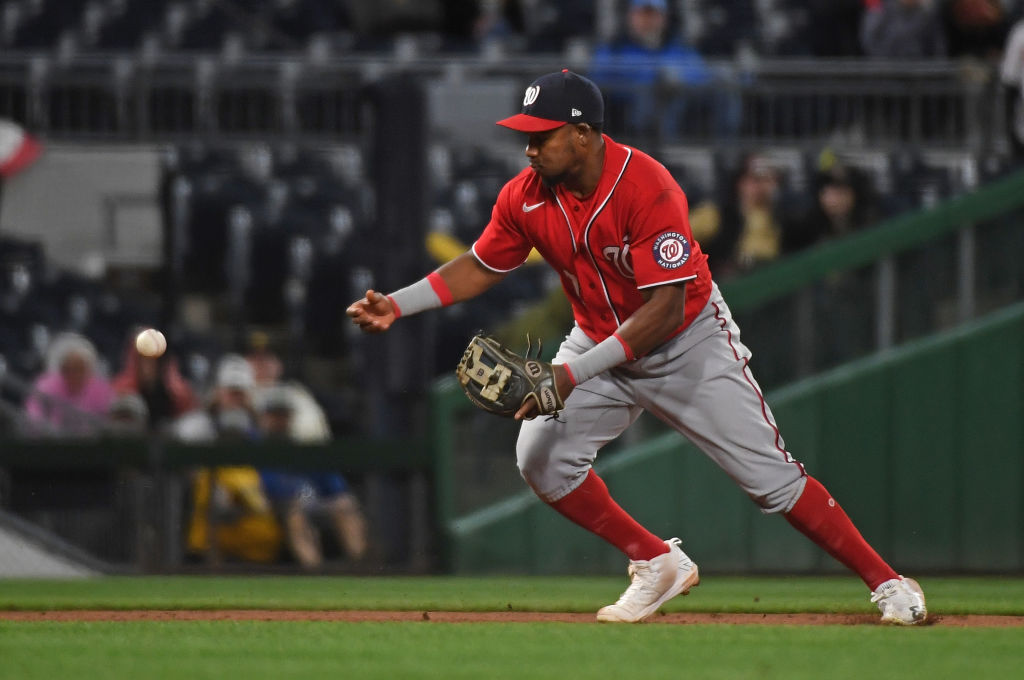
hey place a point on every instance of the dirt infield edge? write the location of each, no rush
(793, 619)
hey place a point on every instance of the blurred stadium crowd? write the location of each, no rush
(272, 233)
(819, 28)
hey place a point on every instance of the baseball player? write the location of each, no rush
(651, 332)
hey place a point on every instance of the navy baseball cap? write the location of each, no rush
(556, 99)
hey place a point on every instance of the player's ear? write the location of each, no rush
(583, 130)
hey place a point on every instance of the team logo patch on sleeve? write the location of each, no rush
(671, 250)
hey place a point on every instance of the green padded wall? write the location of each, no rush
(923, 446)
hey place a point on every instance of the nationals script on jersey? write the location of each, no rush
(631, 233)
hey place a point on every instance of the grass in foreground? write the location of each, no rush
(275, 650)
(256, 651)
(716, 594)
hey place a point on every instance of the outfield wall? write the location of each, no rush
(923, 446)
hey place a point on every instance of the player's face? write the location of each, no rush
(555, 154)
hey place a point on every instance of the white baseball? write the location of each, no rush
(151, 343)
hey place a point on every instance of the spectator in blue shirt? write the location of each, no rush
(632, 69)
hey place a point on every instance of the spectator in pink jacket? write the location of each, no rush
(71, 396)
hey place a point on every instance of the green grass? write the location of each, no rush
(255, 650)
(573, 594)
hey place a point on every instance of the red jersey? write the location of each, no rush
(632, 233)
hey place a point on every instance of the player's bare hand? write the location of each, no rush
(563, 384)
(373, 314)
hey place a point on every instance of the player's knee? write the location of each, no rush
(549, 462)
(781, 499)
(551, 482)
(544, 470)
(534, 463)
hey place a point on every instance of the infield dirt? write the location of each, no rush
(114, 615)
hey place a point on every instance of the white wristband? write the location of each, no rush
(606, 354)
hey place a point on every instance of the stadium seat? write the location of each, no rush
(128, 23)
(40, 24)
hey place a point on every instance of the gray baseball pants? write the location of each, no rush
(699, 383)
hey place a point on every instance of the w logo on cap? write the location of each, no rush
(566, 98)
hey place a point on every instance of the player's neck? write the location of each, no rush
(585, 182)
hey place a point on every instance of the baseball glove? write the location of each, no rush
(500, 381)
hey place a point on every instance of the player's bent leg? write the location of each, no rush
(724, 413)
(555, 459)
(709, 395)
(819, 517)
(554, 455)
(592, 507)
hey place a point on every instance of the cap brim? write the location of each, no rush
(525, 123)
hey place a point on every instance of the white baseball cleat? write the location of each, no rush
(901, 602)
(655, 582)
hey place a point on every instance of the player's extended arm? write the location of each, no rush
(466, 277)
(461, 279)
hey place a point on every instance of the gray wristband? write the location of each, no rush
(606, 354)
(415, 298)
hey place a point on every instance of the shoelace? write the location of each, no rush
(642, 577)
(886, 591)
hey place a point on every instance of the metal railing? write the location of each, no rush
(175, 96)
(148, 506)
(120, 494)
(905, 278)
